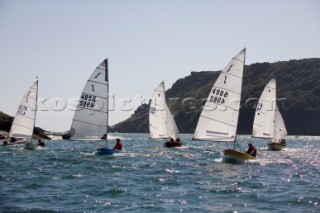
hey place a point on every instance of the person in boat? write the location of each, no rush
(40, 142)
(171, 140)
(178, 140)
(118, 145)
(12, 140)
(283, 141)
(252, 150)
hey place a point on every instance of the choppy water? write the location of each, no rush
(67, 177)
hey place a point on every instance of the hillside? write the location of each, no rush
(5, 125)
(298, 87)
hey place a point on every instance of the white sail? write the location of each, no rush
(219, 118)
(263, 125)
(172, 129)
(24, 120)
(90, 120)
(161, 121)
(280, 130)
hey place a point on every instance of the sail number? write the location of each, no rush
(87, 100)
(22, 110)
(218, 96)
(152, 110)
(259, 107)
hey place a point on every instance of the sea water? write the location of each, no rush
(66, 176)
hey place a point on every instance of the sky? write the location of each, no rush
(146, 42)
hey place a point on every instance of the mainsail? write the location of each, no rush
(161, 121)
(90, 120)
(219, 117)
(263, 125)
(24, 120)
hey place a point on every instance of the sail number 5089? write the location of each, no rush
(218, 96)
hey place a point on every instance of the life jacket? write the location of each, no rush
(252, 151)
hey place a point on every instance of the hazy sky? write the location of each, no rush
(146, 41)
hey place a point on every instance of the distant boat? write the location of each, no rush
(268, 122)
(161, 121)
(90, 120)
(23, 124)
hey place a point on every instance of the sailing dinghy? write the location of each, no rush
(218, 120)
(233, 72)
(90, 121)
(268, 122)
(23, 124)
(161, 121)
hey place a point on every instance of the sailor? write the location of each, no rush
(118, 145)
(40, 143)
(12, 140)
(178, 140)
(251, 150)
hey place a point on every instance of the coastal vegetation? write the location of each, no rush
(298, 98)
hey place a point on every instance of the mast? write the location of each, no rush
(164, 107)
(107, 80)
(36, 107)
(235, 138)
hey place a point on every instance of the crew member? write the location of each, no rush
(118, 145)
(251, 150)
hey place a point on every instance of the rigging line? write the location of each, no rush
(97, 82)
(26, 116)
(227, 73)
(27, 127)
(89, 123)
(82, 108)
(218, 121)
(238, 60)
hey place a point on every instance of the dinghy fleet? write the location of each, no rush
(218, 121)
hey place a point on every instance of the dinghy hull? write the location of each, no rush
(172, 144)
(237, 157)
(276, 146)
(106, 151)
(8, 143)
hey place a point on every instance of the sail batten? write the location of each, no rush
(91, 116)
(89, 123)
(221, 110)
(97, 82)
(219, 121)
